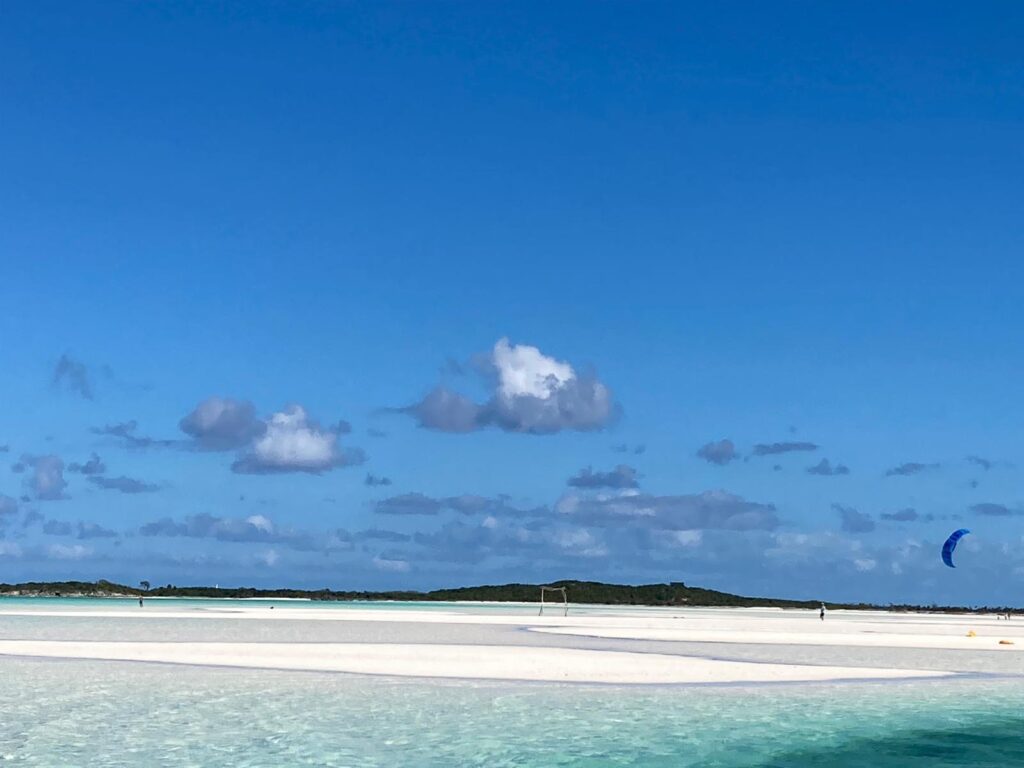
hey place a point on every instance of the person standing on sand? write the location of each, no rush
(821, 613)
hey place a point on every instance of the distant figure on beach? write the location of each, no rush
(821, 613)
(140, 601)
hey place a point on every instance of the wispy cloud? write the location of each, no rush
(719, 452)
(978, 461)
(123, 484)
(391, 564)
(987, 464)
(773, 449)
(73, 375)
(707, 510)
(8, 505)
(907, 515)
(94, 466)
(46, 482)
(853, 521)
(126, 431)
(409, 504)
(622, 476)
(57, 528)
(909, 468)
(69, 552)
(86, 530)
(825, 467)
(81, 530)
(636, 450)
(466, 504)
(990, 509)
(253, 529)
(376, 534)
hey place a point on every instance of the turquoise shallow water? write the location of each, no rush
(73, 604)
(75, 713)
(220, 604)
(84, 713)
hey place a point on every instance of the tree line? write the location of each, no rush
(674, 593)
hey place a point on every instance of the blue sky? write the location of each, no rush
(535, 257)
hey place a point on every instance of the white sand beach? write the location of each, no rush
(590, 645)
(455, 661)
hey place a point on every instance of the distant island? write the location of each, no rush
(580, 592)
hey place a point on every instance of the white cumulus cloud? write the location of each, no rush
(530, 392)
(525, 370)
(292, 442)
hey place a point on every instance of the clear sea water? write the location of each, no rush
(75, 604)
(101, 714)
(78, 713)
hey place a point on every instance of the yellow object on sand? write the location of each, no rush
(971, 633)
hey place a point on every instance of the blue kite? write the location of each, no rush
(950, 545)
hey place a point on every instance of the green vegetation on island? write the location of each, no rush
(579, 592)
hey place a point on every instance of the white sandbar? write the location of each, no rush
(455, 661)
(513, 643)
(867, 639)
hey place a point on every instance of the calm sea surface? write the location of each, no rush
(75, 713)
(78, 604)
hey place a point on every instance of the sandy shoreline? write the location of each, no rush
(456, 661)
(865, 640)
(495, 645)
